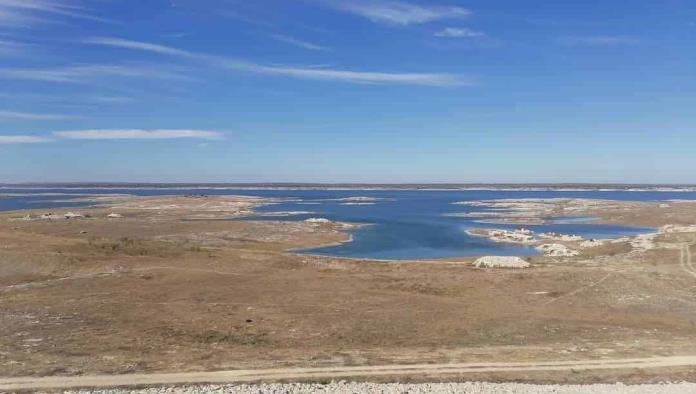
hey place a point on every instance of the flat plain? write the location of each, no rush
(166, 285)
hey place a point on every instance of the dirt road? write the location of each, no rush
(266, 375)
(686, 262)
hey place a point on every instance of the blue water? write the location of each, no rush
(410, 225)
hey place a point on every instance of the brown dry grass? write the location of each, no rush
(149, 293)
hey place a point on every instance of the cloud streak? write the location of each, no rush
(458, 32)
(599, 40)
(137, 134)
(32, 116)
(22, 139)
(84, 73)
(396, 12)
(138, 45)
(298, 43)
(423, 79)
(324, 74)
(11, 48)
(112, 99)
(15, 13)
(114, 134)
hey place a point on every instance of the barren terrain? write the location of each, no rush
(166, 286)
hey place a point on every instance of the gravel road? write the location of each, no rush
(393, 388)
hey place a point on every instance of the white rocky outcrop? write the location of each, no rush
(72, 215)
(520, 236)
(643, 242)
(591, 243)
(318, 220)
(500, 262)
(560, 237)
(114, 216)
(557, 250)
(674, 228)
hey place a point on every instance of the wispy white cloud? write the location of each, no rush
(175, 35)
(138, 45)
(32, 116)
(599, 40)
(114, 134)
(11, 48)
(298, 43)
(459, 32)
(85, 73)
(425, 79)
(29, 12)
(12, 17)
(137, 134)
(62, 100)
(396, 12)
(112, 99)
(22, 139)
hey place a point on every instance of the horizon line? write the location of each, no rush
(346, 184)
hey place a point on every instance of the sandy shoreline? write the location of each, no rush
(509, 211)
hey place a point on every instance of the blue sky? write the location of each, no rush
(348, 91)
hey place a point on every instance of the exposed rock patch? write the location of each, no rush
(501, 262)
(557, 250)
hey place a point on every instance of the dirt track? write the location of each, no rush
(313, 374)
(686, 260)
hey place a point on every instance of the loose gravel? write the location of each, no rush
(394, 388)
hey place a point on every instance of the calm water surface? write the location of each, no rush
(410, 225)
